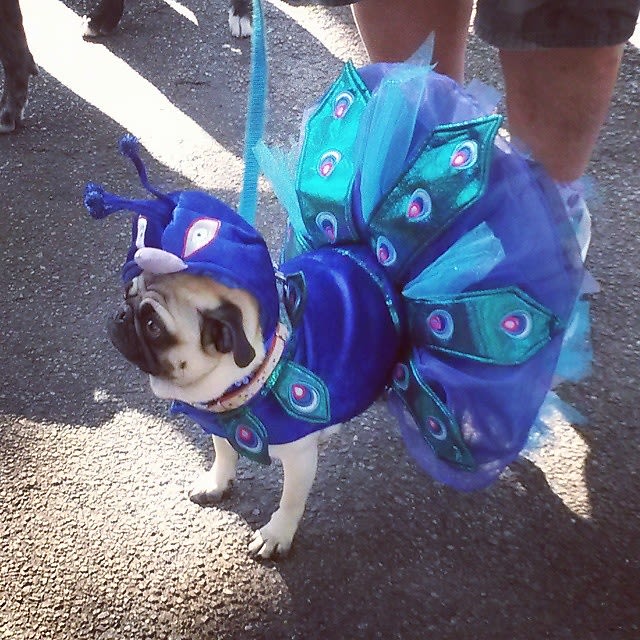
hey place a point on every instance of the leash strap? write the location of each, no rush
(256, 107)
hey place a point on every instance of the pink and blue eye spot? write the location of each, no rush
(328, 163)
(342, 103)
(465, 155)
(517, 324)
(304, 397)
(436, 428)
(328, 224)
(248, 439)
(440, 324)
(401, 376)
(385, 252)
(419, 207)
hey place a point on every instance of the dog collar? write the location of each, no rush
(238, 396)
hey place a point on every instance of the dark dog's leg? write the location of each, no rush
(103, 19)
(240, 18)
(18, 66)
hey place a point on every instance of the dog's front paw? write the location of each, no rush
(209, 488)
(275, 537)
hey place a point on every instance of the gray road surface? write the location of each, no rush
(98, 539)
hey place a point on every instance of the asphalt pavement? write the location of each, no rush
(98, 539)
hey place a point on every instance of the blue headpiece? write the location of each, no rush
(191, 232)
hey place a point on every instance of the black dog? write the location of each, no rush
(18, 66)
(106, 16)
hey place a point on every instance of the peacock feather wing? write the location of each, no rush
(326, 167)
(449, 175)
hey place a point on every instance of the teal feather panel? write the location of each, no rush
(326, 169)
(498, 326)
(437, 425)
(247, 434)
(300, 392)
(448, 175)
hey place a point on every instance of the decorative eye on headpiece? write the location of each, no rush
(342, 103)
(517, 324)
(419, 206)
(201, 233)
(465, 155)
(328, 163)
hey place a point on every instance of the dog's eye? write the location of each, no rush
(153, 328)
(151, 324)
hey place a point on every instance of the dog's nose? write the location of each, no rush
(121, 330)
(124, 315)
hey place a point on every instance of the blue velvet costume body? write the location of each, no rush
(329, 357)
(427, 256)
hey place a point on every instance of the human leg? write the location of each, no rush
(393, 31)
(560, 60)
(557, 101)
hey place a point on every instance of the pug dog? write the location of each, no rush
(231, 341)
(196, 339)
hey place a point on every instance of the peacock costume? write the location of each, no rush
(425, 256)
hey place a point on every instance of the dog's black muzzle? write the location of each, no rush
(129, 341)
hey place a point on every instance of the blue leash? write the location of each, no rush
(256, 107)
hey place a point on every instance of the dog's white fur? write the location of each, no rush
(240, 26)
(299, 464)
(177, 298)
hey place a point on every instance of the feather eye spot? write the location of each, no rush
(465, 155)
(328, 224)
(440, 324)
(401, 376)
(303, 397)
(419, 207)
(342, 104)
(328, 163)
(517, 324)
(436, 428)
(385, 252)
(248, 439)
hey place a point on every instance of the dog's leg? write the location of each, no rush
(299, 463)
(103, 19)
(18, 64)
(240, 19)
(211, 486)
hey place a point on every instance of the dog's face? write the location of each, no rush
(193, 336)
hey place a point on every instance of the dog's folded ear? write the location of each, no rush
(222, 329)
